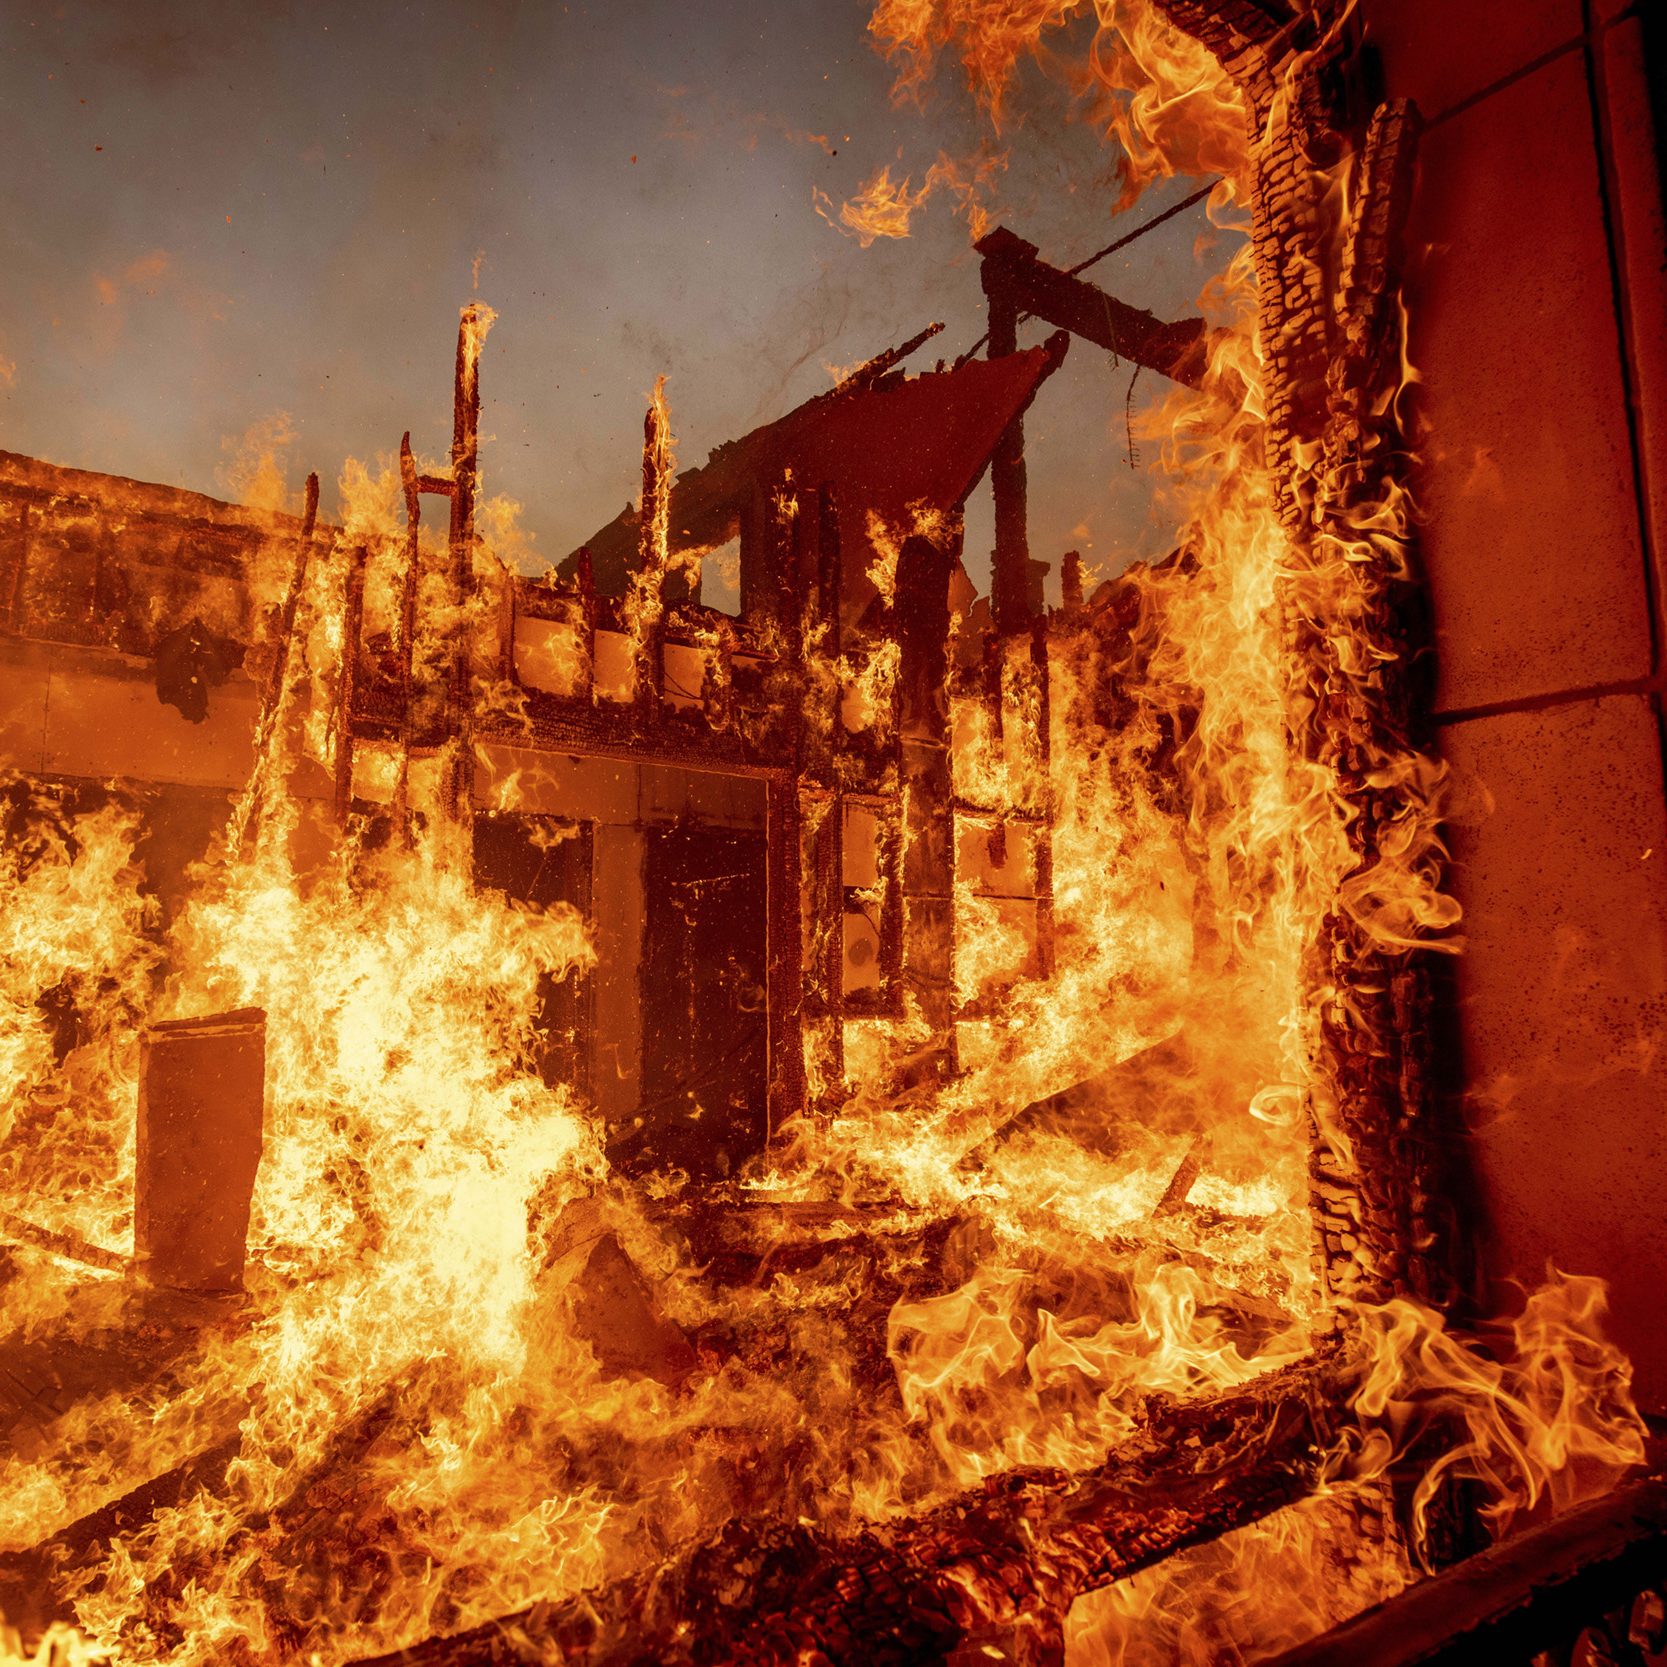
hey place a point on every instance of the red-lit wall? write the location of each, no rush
(1538, 305)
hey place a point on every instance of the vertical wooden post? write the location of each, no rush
(646, 609)
(922, 614)
(584, 578)
(271, 757)
(473, 324)
(347, 677)
(1010, 568)
(785, 818)
(1042, 834)
(784, 941)
(817, 575)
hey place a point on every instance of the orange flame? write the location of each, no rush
(885, 207)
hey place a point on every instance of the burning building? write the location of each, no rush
(552, 1119)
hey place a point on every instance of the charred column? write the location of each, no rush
(784, 824)
(818, 581)
(650, 585)
(1010, 572)
(1334, 456)
(922, 624)
(475, 321)
(346, 679)
(245, 824)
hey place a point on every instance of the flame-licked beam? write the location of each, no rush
(1017, 280)
(998, 1566)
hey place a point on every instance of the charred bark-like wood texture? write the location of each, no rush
(999, 1565)
(1328, 291)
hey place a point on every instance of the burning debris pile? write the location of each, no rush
(827, 1134)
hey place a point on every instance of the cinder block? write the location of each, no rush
(1530, 534)
(1560, 861)
(1441, 53)
(202, 1086)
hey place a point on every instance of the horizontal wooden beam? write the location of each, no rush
(1015, 278)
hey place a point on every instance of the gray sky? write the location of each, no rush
(216, 213)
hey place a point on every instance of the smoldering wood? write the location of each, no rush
(1002, 1562)
(871, 371)
(1185, 1177)
(34, 1584)
(1333, 445)
(882, 440)
(458, 755)
(19, 1231)
(245, 823)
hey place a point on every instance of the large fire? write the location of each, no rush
(1106, 1210)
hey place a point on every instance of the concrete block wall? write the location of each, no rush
(1538, 308)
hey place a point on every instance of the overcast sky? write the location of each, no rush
(217, 213)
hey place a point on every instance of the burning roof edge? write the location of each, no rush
(704, 499)
(34, 477)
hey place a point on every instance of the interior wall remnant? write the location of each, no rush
(1538, 311)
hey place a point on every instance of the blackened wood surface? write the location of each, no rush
(1002, 1561)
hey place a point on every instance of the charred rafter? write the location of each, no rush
(1017, 280)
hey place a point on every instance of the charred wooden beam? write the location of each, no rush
(1017, 281)
(821, 811)
(921, 613)
(784, 948)
(1010, 564)
(1335, 457)
(347, 678)
(34, 1584)
(650, 583)
(995, 1568)
(867, 374)
(411, 483)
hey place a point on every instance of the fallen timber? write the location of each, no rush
(995, 1569)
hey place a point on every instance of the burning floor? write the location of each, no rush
(549, 1120)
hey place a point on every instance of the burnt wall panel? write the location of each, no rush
(114, 725)
(1639, 214)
